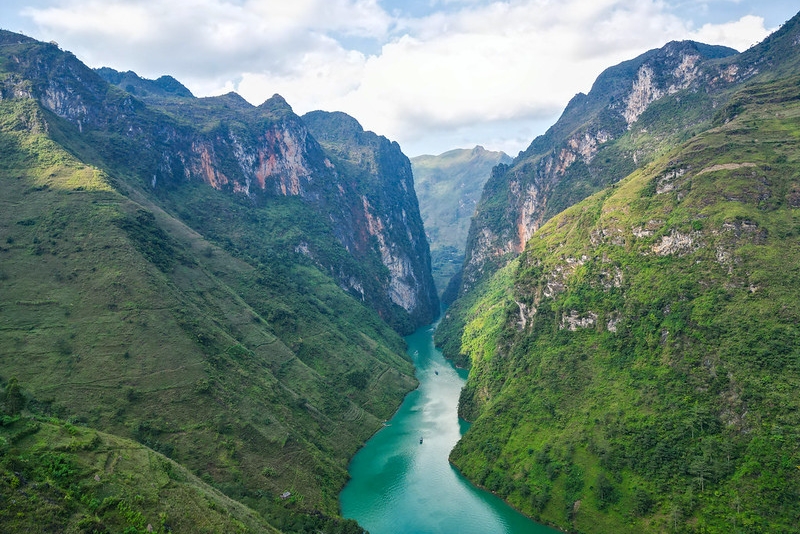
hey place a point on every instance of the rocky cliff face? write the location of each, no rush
(562, 166)
(254, 153)
(666, 302)
(385, 217)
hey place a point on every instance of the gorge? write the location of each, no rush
(204, 305)
(401, 481)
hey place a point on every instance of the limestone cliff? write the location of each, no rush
(562, 166)
(170, 139)
(388, 220)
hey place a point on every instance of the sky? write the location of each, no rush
(432, 75)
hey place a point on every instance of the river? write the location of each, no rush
(402, 485)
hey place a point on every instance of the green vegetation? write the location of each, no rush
(635, 369)
(593, 145)
(449, 186)
(209, 328)
(63, 477)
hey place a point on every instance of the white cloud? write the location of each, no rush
(476, 65)
(509, 61)
(740, 34)
(318, 77)
(212, 37)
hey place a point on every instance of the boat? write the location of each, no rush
(437, 372)
(420, 439)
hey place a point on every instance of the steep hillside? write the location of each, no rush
(179, 273)
(599, 139)
(169, 139)
(266, 151)
(383, 182)
(636, 112)
(636, 368)
(58, 477)
(121, 317)
(449, 186)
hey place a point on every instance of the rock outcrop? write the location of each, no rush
(255, 153)
(562, 166)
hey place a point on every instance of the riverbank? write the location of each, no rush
(402, 481)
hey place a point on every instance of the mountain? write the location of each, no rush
(599, 139)
(203, 276)
(267, 151)
(634, 367)
(383, 180)
(635, 112)
(448, 187)
(130, 82)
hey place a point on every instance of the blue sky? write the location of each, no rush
(431, 74)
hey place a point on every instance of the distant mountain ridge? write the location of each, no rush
(130, 82)
(449, 187)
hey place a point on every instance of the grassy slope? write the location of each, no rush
(449, 186)
(117, 315)
(58, 477)
(673, 408)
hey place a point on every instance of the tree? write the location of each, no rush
(14, 400)
(642, 502)
(605, 491)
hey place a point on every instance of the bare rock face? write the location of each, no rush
(389, 215)
(360, 184)
(562, 166)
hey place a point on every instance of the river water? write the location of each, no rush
(400, 485)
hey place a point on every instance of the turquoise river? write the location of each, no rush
(401, 480)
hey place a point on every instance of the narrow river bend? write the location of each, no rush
(400, 485)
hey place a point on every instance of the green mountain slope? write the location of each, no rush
(168, 140)
(58, 477)
(449, 186)
(123, 318)
(147, 294)
(635, 113)
(635, 369)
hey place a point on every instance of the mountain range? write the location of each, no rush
(628, 306)
(203, 300)
(223, 283)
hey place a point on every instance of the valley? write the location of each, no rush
(207, 308)
(402, 481)
(449, 187)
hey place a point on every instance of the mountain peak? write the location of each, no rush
(333, 125)
(129, 81)
(276, 103)
(7, 37)
(234, 98)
